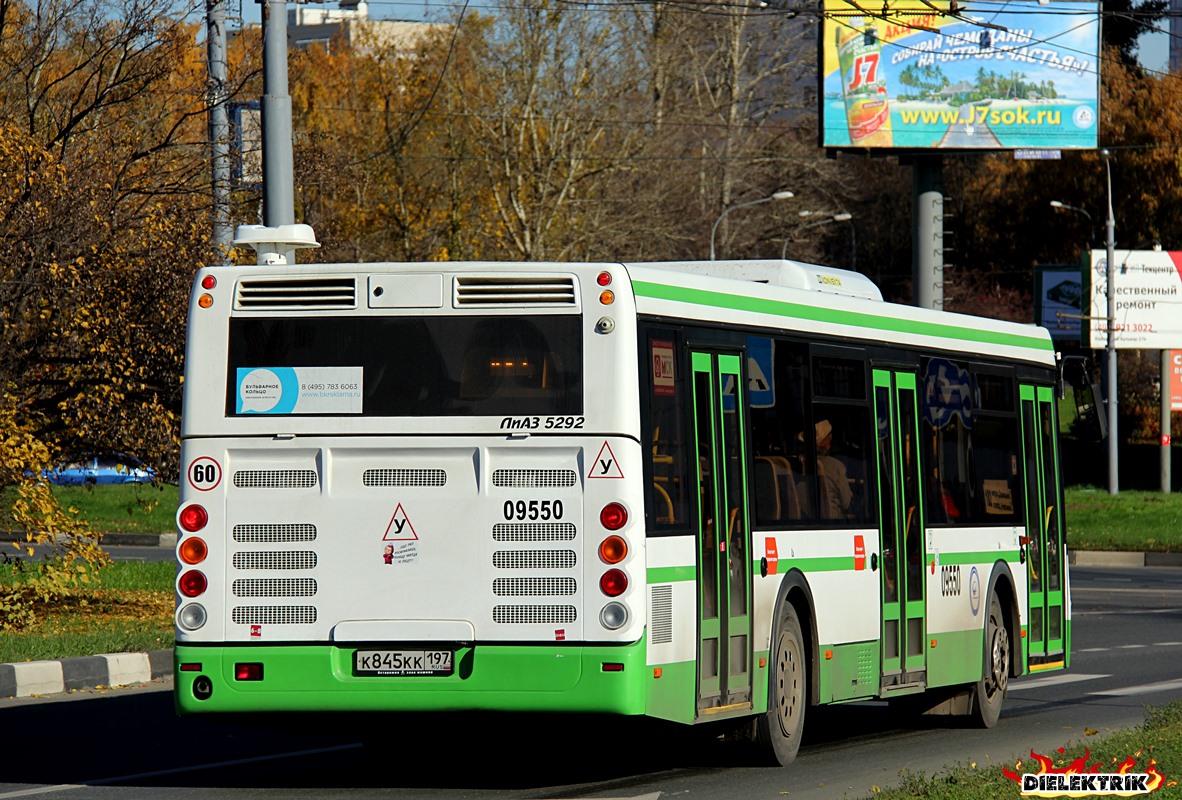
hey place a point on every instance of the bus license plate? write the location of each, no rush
(403, 662)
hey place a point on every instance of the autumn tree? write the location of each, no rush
(102, 224)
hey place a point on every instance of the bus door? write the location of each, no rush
(724, 535)
(1043, 544)
(900, 498)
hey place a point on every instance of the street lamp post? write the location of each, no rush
(776, 196)
(1110, 374)
(1110, 349)
(842, 217)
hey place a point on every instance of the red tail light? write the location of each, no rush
(193, 518)
(193, 583)
(613, 516)
(613, 582)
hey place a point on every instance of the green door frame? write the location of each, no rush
(724, 562)
(901, 531)
(1043, 545)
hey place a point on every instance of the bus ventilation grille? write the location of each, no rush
(296, 294)
(273, 615)
(662, 610)
(533, 532)
(533, 478)
(404, 477)
(264, 559)
(517, 615)
(473, 290)
(534, 587)
(262, 533)
(274, 587)
(534, 559)
(275, 479)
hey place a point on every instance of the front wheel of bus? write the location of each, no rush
(779, 730)
(991, 689)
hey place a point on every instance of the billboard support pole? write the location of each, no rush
(928, 231)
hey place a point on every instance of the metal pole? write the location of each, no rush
(1166, 376)
(278, 158)
(219, 127)
(1110, 349)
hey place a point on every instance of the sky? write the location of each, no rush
(1154, 52)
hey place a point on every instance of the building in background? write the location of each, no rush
(349, 25)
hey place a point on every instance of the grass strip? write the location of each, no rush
(122, 508)
(130, 611)
(1158, 739)
(1129, 521)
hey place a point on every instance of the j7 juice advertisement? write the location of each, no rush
(946, 75)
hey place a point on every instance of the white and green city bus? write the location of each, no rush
(694, 491)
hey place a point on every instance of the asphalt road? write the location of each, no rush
(129, 744)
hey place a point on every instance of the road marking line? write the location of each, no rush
(1130, 646)
(1094, 650)
(1054, 680)
(65, 787)
(1145, 688)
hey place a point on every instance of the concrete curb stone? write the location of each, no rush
(84, 672)
(132, 539)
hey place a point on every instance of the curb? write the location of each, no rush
(133, 539)
(33, 678)
(1115, 558)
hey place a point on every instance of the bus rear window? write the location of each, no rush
(405, 366)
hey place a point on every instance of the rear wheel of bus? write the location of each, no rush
(991, 689)
(779, 730)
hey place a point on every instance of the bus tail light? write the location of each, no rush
(252, 671)
(613, 616)
(613, 582)
(613, 549)
(613, 516)
(193, 518)
(193, 583)
(191, 618)
(193, 550)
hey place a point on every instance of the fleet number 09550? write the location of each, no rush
(533, 509)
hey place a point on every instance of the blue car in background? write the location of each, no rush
(100, 468)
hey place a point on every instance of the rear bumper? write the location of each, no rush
(319, 678)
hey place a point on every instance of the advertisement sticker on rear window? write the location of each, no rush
(298, 390)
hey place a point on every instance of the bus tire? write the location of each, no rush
(780, 729)
(991, 689)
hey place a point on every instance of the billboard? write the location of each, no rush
(921, 75)
(1059, 299)
(1148, 300)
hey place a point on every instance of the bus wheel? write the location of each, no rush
(991, 689)
(779, 730)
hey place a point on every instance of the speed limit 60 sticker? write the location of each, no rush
(204, 473)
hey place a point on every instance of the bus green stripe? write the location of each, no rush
(965, 559)
(759, 305)
(690, 573)
(671, 574)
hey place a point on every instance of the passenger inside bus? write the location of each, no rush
(834, 483)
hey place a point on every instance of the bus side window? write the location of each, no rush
(669, 461)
